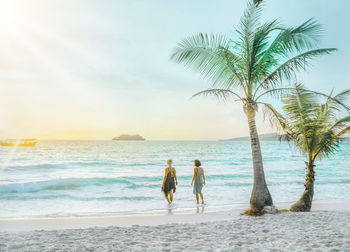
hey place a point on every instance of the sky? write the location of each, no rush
(86, 69)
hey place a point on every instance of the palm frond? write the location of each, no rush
(299, 106)
(221, 94)
(338, 101)
(289, 69)
(248, 27)
(303, 37)
(342, 96)
(282, 92)
(343, 132)
(300, 103)
(327, 145)
(275, 92)
(276, 120)
(258, 47)
(290, 40)
(329, 142)
(250, 20)
(208, 55)
(341, 122)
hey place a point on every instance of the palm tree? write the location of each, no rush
(314, 129)
(259, 59)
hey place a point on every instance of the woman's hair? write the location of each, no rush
(197, 163)
(171, 169)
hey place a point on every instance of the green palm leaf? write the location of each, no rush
(208, 55)
(221, 94)
(276, 119)
(289, 69)
(314, 127)
(300, 38)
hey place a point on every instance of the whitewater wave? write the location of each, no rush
(135, 182)
(71, 197)
(131, 182)
(70, 184)
(60, 166)
(69, 165)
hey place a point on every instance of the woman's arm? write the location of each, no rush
(175, 176)
(203, 176)
(194, 175)
(166, 173)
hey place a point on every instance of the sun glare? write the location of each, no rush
(9, 157)
(10, 13)
(27, 37)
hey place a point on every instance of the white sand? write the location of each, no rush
(319, 230)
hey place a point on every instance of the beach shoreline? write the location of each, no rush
(172, 215)
(325, 228)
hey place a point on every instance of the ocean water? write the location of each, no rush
(97, 177)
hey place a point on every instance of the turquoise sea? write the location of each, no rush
(94, 177)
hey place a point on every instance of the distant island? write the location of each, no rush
(262, 137)
(129, 137)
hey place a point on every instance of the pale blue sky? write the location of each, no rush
(96, 69)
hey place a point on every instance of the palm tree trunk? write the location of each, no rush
(260, 196)
(305, 202)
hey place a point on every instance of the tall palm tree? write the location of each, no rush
(259, 59)
(315, 130)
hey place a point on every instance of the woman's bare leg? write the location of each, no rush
(201, 197)
(166, 197)
(197, 198)
(171, 196)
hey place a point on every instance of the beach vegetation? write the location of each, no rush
(315, 128)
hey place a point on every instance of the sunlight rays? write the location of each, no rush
(20, 31)
(29, 46)
(9, 157)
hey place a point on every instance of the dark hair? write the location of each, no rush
(197, 163)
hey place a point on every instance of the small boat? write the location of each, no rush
(19, 142)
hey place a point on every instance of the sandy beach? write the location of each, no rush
(326, 228)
